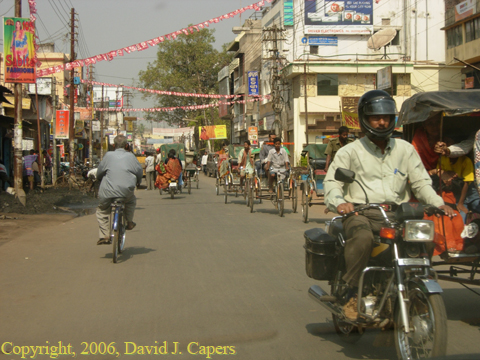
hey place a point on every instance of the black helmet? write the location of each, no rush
(376, 102)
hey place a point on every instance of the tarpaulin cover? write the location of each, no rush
(179, 148)
(422, 106)
(316, 151)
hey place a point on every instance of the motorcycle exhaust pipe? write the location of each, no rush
(316, 293)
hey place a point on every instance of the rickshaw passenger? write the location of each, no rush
(180, 178)
(264, 154)
(172, 169)
(424, 142)
(277, 161)
(245, 162)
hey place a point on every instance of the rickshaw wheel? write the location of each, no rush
(196, 179)
(280, 200)
(304, 190)
(217, 187)
(189, 185)
(225, 192)
(294, 196)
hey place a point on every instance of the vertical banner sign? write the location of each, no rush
(253, 135)
(19, 50)
(288, 13)
(62, 124)
(349, 112)
(253, 83)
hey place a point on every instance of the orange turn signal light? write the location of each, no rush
(387, 233)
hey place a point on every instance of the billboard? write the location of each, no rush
(19, 50)
(353, 17)
(213, 132)
(349, 112)
(62, 122)
(44, 86)
(465, 9)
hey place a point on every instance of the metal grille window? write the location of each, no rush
(469, 31)
(314, 50)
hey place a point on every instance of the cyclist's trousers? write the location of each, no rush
(103, 213)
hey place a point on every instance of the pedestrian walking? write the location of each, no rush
(150, 171)
(204, 162)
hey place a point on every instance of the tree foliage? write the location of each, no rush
(188, 64)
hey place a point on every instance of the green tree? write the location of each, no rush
(188, 64)
(140, 130)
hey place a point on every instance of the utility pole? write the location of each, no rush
(54, 130)
(71, 133)
(90, 133)
(305, 96)
(101, 127)
(275, 34)
(18, 133)
(39, 139)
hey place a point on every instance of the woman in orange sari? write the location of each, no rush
(170, 170)
(424, 142)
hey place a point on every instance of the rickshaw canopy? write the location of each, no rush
(315, 151)
(422, 106)
(178, 147)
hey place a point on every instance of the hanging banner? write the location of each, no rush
(349, 111)
(19, 50)
(253, 135)
(253, 83)
(62, 122)
(213, 132)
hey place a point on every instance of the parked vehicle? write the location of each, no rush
(397, 289)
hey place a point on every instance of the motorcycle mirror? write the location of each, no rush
(345, 175)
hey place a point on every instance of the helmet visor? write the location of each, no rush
(380, 107)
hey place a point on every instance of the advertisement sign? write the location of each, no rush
(288, 13)
(349, 112)
(62, 122)
(253, 135)
(253, 83)
(464, 9)
(213, 132)
(129, 125)
(19, 50)
(44, 86)
(323, 40)
(469, 82)
(353, 17)
(384, 78)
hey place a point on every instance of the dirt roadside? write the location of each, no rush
(44, 208)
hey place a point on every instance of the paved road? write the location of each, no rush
(195, 272)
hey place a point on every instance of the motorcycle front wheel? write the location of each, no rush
(428, 327)
(348, 333)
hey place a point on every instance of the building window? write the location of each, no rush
(314, 50)
(454, 37)
(327, 84)
(469, 31)
(476, 25)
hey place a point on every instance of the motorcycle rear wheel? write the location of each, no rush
(348, 333)
(428, 319)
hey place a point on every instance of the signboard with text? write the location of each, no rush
(353, 17)
(253, 83)
(62, 122)
(323, 40)
(19, 50)
(213, 132)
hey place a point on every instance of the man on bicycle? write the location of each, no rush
(266, 147)
(245, 162)
(119, 173)
(277, 161)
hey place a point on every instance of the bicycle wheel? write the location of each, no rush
(197, 179)
(250, 197)
(225, 191)
(280, 199)
(245, 194)
(122, 233)
(61, 182)
(189, 185)
(293, 189)
(304, 190)
(115, 235)
(217, 186)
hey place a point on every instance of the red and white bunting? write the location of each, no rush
(144, 44)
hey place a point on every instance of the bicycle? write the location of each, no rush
(277, 198)
(117, 228)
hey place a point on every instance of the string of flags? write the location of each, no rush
(109, 56)
(161, 92)
(190, 107)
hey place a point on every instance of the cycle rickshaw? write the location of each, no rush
(285, 187)
(180, 155)
(459, 111)
(313, 184)
(191, 171)
(229, 171)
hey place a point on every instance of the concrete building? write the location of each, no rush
(462, 33)
(326, 45)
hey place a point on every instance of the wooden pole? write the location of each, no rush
(71, 133)
(18, 131)
(39, 138)
(305, 96)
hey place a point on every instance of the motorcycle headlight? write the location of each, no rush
(419, 230)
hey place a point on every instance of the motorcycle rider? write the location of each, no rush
(121, 172)
(388, 169)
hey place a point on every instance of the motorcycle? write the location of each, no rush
(173, 188)
(398, 288)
